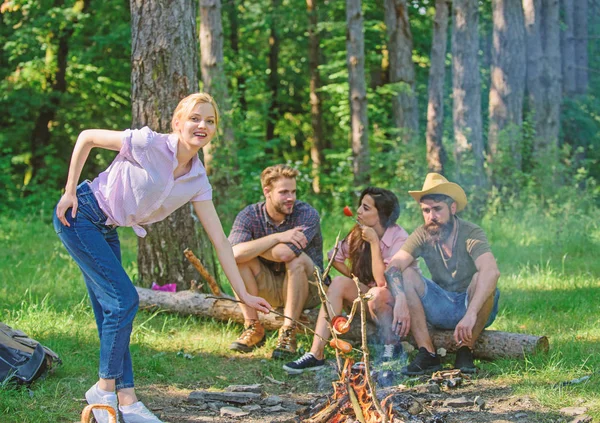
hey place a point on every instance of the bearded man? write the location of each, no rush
(276, 244)
(461, 294)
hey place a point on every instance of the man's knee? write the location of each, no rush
(250, 267)
(382, 298)
(300, 264)
(412, 280)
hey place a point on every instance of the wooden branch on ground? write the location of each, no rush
(214, 286)
(490, 345)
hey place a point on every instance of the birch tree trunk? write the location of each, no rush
(436, 156)
(567, 44)
(466, 93)
(355, 52)
(581, 45)
(215, 83)
(543, 73)
(316, 115)
(401, 68)
(507, 88)
(164, 62)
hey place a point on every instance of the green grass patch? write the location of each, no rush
(550, 286)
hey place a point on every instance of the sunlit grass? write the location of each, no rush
(550, 286)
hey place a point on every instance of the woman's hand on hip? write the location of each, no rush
(68, 200)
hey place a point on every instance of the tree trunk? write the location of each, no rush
(232, 13)
(215, 83)
(466, 93)
(316, 114)
(567, 43)
(436, 156)
(355, 51)
(490, 345)
(581, 45)
(57, 80)
(507, 87)
(273, 81)
(164, 70)
(401, 68)
(543, 73)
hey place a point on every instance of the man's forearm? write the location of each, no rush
(246, 251)
(393, 277)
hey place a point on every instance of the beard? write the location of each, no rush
(281, 208)
(439, 232)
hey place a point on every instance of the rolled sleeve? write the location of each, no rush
(342, 253)
(241, 230)
(311, 226)
(135, 144)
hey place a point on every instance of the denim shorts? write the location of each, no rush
(444, 309)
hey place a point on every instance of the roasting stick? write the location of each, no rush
(365, 350)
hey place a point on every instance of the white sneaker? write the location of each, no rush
(92, 396)
(138, 413)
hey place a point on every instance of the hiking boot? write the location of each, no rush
(138, 413)
(286, 343)
(252, 337)
(464, 360)
(307, 362)
(94, 396)
(424, 362)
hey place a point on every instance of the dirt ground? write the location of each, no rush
(501, 405)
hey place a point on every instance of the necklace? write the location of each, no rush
(445, 258)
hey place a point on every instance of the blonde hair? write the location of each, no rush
(185, 107)
(273, 173)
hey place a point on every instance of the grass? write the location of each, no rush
(550, 286)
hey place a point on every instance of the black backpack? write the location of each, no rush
(23, 359)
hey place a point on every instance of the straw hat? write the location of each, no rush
(437, 184)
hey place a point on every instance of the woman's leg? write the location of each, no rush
(342, 289)
(381, 308)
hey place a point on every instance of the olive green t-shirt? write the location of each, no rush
(453, 274)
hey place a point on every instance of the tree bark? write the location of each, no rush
(466, 93)
(543, 73)
(401, 68)
(355, 53)
(316, 114)
(436, 156)
(490, 345)
(581, 45)
(567, 43)
(273, 81)
(507, 88)
(215, 83)
(165, 70)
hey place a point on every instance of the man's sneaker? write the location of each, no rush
(286, 343)
(93, 396)
(464, 360)
(307, 362)
(138, 413)
(424, 362)
(391, 352)
(252, 337)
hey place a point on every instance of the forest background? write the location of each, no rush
(501, 96)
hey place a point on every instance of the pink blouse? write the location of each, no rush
(390, 243)
(138, 188)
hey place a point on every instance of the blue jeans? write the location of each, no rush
(444, 309)
(95, 247)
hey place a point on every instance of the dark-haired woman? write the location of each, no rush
(365, 252)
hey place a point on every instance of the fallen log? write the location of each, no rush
(490, 345)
